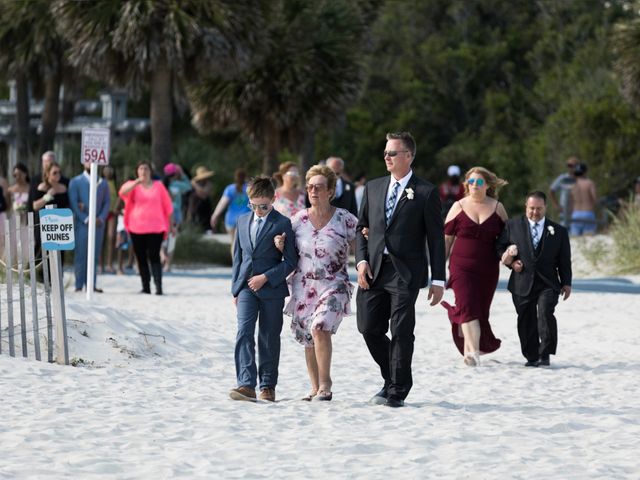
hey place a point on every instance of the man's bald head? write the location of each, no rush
(48, 158)
(336, 164)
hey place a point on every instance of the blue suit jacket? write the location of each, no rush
(264, 257)
(79, 193)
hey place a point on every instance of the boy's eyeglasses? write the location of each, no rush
(259, 206)
(477, 181)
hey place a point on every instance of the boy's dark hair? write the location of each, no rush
(261, 186)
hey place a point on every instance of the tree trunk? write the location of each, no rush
(161, 116)
(22, 119)
(50, 111)
(307, 149)
(70, 82)
(271, 150)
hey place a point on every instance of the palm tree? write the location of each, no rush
(158, 44)
(311, 68)
(32, 50)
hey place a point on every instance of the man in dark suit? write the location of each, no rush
(539, 254)
(399, 218)
(345, 196)
(259, 288)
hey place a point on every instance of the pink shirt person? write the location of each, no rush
(147, 210)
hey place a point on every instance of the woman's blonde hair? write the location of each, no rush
(494, 183)
(282, 170)
(327, 173)
(47, 172)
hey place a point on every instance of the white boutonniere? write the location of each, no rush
(347, 187)
(409, 192)
(551, 230)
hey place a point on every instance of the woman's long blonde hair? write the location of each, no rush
(494, 183)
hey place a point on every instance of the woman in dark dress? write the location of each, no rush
(51, 191)
(471, 229)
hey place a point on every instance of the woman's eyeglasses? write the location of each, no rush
(259, 206)
(478, 182)
(54, 172)
(316, 186)
(393, 153)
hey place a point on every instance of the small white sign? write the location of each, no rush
(56, 229)
(95, 145)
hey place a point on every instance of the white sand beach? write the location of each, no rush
(150, 399)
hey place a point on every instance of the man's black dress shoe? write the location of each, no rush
(379, 398)
(531, 363)
(544, 362)
(394, 402)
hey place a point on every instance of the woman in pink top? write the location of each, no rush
(147, 213)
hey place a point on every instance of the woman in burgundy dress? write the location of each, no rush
(471, 229)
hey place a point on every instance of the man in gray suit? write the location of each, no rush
(402, 217)
(259, 288)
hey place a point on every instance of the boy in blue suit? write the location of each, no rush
(79, 202)
(259, 288)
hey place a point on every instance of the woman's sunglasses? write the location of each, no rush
(478, 182)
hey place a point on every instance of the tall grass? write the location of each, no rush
(626, 236)
(193, 247)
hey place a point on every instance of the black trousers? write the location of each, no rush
(537, 326)
(389, 304)
(147, 249)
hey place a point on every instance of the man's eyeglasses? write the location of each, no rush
(259, 206)
(393, 153)
(478, 182)
(317, 186)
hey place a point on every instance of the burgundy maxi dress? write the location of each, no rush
(473, 276)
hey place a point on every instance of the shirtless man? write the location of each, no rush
(583, 197)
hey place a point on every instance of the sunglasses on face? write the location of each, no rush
(571, 165)
(292, 173)
(261, 206)
(316, 186)
(393, 153)
(478, 182)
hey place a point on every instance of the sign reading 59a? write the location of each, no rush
(96, 143)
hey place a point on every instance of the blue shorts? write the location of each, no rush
(583, 221)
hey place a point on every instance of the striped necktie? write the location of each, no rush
(535, 234)
(391, 203)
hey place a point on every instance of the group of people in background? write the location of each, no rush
(296, 245)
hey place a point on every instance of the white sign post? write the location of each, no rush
(95, 149)
(56, 233)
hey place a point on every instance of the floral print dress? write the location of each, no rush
(287, 207)
(320, 287)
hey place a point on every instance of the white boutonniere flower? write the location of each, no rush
(409, 192)
(551, 230)
(347, 187)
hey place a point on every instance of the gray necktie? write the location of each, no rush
(391, 203)
(535, 234)
(256, 230)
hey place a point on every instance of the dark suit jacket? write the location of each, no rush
(551, 262)
(348, 198)
(265, 257)
(416, 224)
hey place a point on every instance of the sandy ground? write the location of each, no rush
(150, 400)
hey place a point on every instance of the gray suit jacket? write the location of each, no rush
(264, 257)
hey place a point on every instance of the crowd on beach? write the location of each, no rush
(291, 237)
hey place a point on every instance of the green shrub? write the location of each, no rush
(193, 247)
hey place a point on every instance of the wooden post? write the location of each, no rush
(47, 304)
(9, 262)
(62, 351)
(23, 313)
(34, 287)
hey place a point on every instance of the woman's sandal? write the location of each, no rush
(323, 396)
(309, 397)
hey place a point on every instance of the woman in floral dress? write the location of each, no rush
(289, 198)
(320, 287)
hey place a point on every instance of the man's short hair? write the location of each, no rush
(407, 139)
(49, 153)
(261, 186)
(537, 194)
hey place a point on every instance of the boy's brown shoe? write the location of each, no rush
(268, 394)
(243, 393)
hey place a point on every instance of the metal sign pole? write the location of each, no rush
(91, 247)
